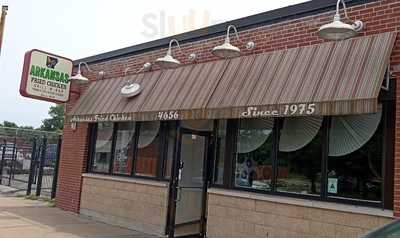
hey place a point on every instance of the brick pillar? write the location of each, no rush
(396, 201)
(74, 155)
(395, 62)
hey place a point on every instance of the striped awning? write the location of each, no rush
(334, 78)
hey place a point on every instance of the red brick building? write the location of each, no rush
(255, 162)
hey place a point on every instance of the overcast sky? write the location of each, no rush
(80, 28)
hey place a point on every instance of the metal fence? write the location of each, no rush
(29, 160)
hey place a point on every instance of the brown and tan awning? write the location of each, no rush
(334, 78)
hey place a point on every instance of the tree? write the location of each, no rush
(9, 124)
(56, 121)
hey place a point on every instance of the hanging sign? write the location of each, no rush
(45, 77)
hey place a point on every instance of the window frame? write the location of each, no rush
(232, 127)
(386, 201)
(163, 134)
(93, 128)
(214, 153)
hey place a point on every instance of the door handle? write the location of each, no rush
(179, 194)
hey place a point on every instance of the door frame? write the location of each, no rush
(174, 181)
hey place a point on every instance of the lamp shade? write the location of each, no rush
(131, 90)
(226, 50)
(79, 78)
(337, 30)
(167, 62)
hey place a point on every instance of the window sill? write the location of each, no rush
(304, 202)
(126, 180)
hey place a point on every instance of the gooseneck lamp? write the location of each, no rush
(227, 50)
(168, 61)
(131, 89)
(78, 77)
(338, 30)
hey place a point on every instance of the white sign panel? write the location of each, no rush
(46, 77)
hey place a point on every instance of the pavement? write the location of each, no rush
(4, 190)
(20, 217)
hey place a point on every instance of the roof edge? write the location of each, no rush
(262, 19)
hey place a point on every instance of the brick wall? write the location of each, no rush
(134, 204)
(72, 164)
(233, 216)
(380, 16)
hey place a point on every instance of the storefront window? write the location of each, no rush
(300, 155)
(220, 152)
(123, 155)
(103, 148)
(356, 157)
(254, 154)
(148, 149)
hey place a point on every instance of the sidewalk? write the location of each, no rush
(7, 190)
(34, 219)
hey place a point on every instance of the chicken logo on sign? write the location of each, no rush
(51, 62)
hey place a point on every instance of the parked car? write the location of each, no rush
(391, 230)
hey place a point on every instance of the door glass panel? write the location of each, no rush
(189, 205)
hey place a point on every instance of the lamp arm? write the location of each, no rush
(85, 64)
(138, 71)
(228, 32)
(344, 8)
(170, 46)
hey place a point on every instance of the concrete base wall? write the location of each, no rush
(135, 204)
(142, 205)
(234, 214)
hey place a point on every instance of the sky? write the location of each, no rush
(81, 28)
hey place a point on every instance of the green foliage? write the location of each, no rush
(56, 121)
(50, 128)
(9, 124)
(31, 197)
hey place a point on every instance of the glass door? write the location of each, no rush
(189, 186)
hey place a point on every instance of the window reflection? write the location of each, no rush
(148, 149)
(356, 157)
(254, 154)
(103, 147)
(300, 155)
(123, 155)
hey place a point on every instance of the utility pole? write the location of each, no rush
(4, 10)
